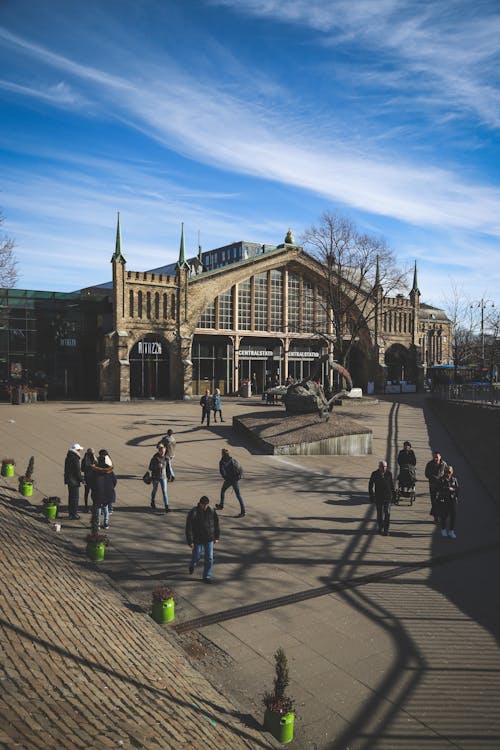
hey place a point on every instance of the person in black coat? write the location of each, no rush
(382, 492)
(73, 479)
(202, 532)
(447, 502)
(407, 462)
(102, 485)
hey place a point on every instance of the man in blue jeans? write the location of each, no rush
(231, 472)
(202, 532)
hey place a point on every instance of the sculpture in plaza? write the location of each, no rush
(308, 396)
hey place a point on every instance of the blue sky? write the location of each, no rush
(242, 118)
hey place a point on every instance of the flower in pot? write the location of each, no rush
(163, 608)
(50, 507)
(96, 544)
(8, 467)
(279, 715)
(26, 481)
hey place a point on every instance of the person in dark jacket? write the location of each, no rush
(434, 471)
(447, 500)
(73, 479)
(88, 461)
(159, 466)
(102, 485)
(231, 472)
(407, 462)
(382, 492)
(202, 532)
(207, 405)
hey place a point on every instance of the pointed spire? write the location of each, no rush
(118, 244)
(199, 247)
(377, 273)
(415, 289)
(181, 263)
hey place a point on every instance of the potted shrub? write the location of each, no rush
(96, 544)
(50, 507)
(8, 467)
(279, 715)
(163, 608)
(26, 481)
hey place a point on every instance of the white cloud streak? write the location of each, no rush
(238, 136)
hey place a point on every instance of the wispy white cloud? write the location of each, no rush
(243, 137)
(59, 94)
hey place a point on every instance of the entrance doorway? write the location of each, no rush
(149, 369)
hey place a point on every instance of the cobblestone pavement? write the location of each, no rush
(392, 641)
(80, 668)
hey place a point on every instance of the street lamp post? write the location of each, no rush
(483, 304)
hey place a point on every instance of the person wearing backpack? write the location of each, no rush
(231, 472)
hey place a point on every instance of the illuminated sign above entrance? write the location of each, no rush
(255, 354)
(149, 347)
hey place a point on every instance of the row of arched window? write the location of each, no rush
(151, 305)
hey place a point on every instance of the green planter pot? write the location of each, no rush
(280, 725)
(26, 489)
(7, 470)
(50, 512)
(163, 611)
(95, 551)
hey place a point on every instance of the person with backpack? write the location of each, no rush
(231, 472)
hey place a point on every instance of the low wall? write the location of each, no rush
(344, 445)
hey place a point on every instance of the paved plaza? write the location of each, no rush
(392, 641)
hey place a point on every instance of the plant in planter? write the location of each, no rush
(96, 543)
(50, 507)
(279, 715)
(26, 481)
(163, 609)
(8, 467)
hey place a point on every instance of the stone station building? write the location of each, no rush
(251, 311)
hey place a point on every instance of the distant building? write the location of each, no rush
(239, 312)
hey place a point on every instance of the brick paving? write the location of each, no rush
(80, 669)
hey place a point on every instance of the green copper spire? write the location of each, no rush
(415, 289)
(181, 263)
(118, 244)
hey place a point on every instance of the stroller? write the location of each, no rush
(407, 478)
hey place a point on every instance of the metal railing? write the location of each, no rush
(484, 393)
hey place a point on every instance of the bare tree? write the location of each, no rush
(8, 263)
(355, 265)
(464, 341)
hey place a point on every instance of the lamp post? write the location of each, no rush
(483, 304)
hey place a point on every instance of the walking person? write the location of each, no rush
(169, 442)
(202, 532)
(88, 461)
(73, 478)
(231, 472)
(434, 471)
(447, 500)
(217, 405)
(207, 405)
(382, 492)
(160, 472)
(102, 483)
